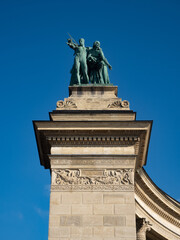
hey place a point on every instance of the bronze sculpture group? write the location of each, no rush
(90, 65)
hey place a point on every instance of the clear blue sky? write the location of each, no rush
(141, 40)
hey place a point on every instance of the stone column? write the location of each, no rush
(93, 146)
(142, 227)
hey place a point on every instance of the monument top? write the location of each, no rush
(90, 64)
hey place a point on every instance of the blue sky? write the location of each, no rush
(140, 39)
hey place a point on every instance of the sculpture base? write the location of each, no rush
(92, 97)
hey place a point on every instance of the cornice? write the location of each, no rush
(155, 202)
(166, 231)
(93, 140)
(83, 133)
(158, 195)
(155, 207)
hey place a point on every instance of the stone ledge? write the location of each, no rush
(92, 90)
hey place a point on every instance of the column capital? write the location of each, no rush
(142, 226)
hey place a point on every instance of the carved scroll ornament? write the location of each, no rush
(119, 104)
(65, 104)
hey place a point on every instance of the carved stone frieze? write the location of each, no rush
(110, 179)
(119, 104)
(65, 104)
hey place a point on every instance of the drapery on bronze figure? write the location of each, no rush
(97, 65)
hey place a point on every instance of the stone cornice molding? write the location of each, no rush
(158, 225)
(158, 196)
(140, 194)
(137, 133)
(155, 204)
(92, 115)
(93, 140)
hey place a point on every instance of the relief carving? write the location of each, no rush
(119, 104)
(68, 177)
(65, 104)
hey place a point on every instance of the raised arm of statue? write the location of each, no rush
(71, 44)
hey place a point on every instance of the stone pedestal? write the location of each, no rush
(93, 146)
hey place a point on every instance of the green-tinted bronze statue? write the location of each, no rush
(79, 74)
(89, 64)
(97, 65)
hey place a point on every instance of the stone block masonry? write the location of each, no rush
(91, 215)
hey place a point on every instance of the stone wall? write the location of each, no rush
(92, 215)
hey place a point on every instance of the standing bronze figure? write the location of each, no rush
(79, 73)
(89, 64)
